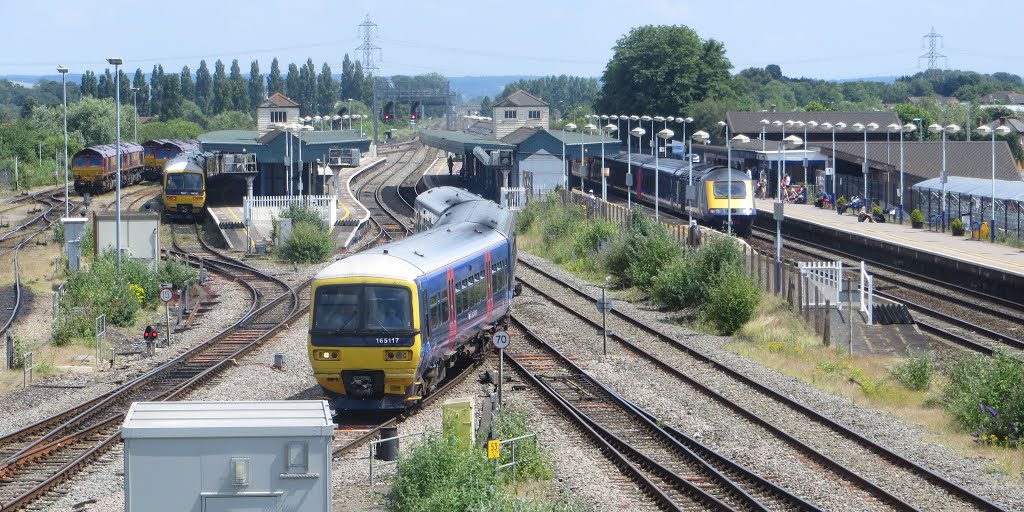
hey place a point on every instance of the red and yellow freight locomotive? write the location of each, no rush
(95, 167)
(160, 151)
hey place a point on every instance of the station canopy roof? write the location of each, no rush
(1005, 190)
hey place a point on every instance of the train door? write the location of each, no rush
(488, 271)
(452, 301)
(639, 182)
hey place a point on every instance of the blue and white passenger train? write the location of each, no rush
(387, 323)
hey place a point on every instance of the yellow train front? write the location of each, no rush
(721, 190)
(387, 323)
(184, 184)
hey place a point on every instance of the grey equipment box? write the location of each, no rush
(221, 456)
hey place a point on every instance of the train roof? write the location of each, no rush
(172, 143)
(193, 160)
(439, 199)
(721, 173)
(106, 150)
(416, 255)
(673, 166)
(452, 205)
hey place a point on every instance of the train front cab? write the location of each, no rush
(184, 193)
(88, 169)
(364, 341)
(717, 205)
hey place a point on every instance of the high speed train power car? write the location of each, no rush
(387, 323)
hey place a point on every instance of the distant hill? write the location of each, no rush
(883, 79)
(478, 86)
(31, 80)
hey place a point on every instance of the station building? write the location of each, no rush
(516, 150)
(277, 149)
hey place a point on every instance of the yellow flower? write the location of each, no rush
(137, 292)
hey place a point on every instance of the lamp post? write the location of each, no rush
(743, 139)
(117, 107)
(937, 128)
(665, 135)
(867, 191)
(1000, 130)
(565, 163)
(791, 142)
(583, 151)
(361, 116)
(349, 100)
(63, 76)
(782, 125)
(699, 136)
(685, 120)
(808, 124)
(609, 129)
(909, 127)
(637, 132)
(920, 128)
(651, 120)
(835, 175)
(654, 141)
(764, 126)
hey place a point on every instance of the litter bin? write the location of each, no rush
(388, 450)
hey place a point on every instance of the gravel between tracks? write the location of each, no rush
(734, 436)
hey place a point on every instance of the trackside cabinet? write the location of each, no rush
(228, 456)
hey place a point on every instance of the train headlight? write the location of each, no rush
(172, 198)
(325, 355)
(398, 355)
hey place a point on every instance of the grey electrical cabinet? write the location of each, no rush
(228, 456)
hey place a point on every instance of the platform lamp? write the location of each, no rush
(637, 132)
(684, 120)
(117, 104)
(699, 136)
(349, 100)
(789, 142)
(587, 128)
(812, 125)
(1000, 130)
(565, 163)
(895, 127)
(646, 119)
(741, 139)
(781, 125)
(937, 128)
(629, 163)
(63, 75)
(870, 127)
(609, 129)
(837, 126)
(764, 127)
(665, 134)
(654, 140)
(334, 120)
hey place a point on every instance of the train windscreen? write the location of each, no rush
(721, 189)
(184, 183)
(362, 309)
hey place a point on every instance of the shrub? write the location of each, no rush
(308, 244)
(680, 285)
(734, 298)
(531, 461)
(916, 216)
(70, 326)
(590, 235)
(638, 257)
(984, 395)
(915, 373)
(440, 475)
(302, 215)
(876, 210)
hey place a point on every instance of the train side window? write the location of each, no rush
(458, 298)
(443, 306)
(434, 311)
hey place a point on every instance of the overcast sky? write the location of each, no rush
(829, 39)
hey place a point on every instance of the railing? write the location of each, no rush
(373, 451)
(265, 208)
(513, 198)
(101, 337)
(512, 442)
(867, 297)
(824, 275)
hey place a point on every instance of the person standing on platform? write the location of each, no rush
(451, 164)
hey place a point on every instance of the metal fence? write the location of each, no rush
(972, 210)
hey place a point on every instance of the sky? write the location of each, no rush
(828, 39)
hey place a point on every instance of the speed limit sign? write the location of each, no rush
(500, 340)
(166, 294)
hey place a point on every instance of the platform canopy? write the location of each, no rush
(1005, 190)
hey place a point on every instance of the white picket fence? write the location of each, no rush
(827, 276)
(867, 293)
(513, 198)
(263, 209)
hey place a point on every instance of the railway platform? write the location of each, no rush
(352, 214)
(994, 269)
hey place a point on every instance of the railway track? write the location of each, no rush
(16, 238)
(654, 347)
(967, 318)
(382, 189)
(36, 458)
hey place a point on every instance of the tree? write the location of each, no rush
(255, 84)
(172, 129)
(349, 89)
(27, 107)
(170, 106)
(139, 82)
(106, 85)
(486, 107)
(291, 83)
(327, 89)
(274, 81)
(235, 120)
(363, 85)
(663, 69)
(204, 88)
(816, 106)
(774, 71)
(239, 89)
(221, 89)
(89, 84)
(126, 87)
(156, 86)
(188, 88)
(907, 112)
